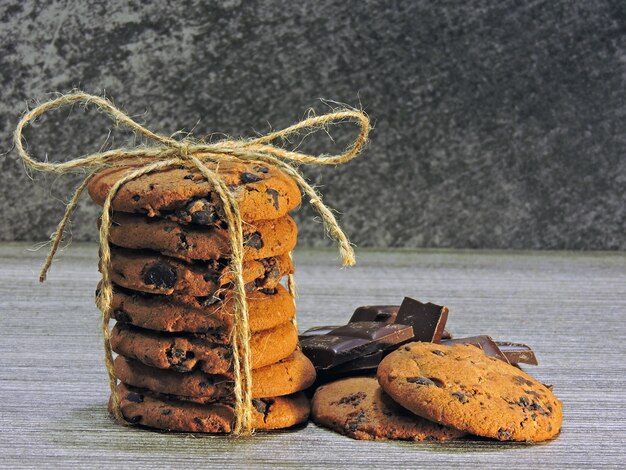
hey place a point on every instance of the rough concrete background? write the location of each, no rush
(498, 124)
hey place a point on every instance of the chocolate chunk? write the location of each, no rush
(160, 275)
(353, 424)
(428, 320)
(366, 364)
(420, 381)
(504, 435)
(462, 397)
(249, 177)
(254, 240)
(383, 314)
(317, 331)
(379, 313)
(259, 405)
(134, 397)
(353, 399)
(199, 211)
(483, 342)
(261, 169)
(122, 316)
(517, 353)
(351, 341)
(274, 195)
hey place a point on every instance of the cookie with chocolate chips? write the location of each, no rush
(287, 376)
(358, 408)
(153, 410)
(460, 386)
(186, 352)
(153, 273)
(262, 238)
(210, 315)
(184, 196)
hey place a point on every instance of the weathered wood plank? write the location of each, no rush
(571, 307)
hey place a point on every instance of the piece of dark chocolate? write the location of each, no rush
(484, 342)
(317, 331)
(352, 341)
(383, 314)
(363, 363)
(379, 313)
(518, 353)
(428, 320)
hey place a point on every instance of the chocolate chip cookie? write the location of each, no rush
(210, 315)
(156, 411)
(358, 408)
(183, 195)
(262, 238)
(290, 375)
(153, 273)
(186, 352)
(460, 386)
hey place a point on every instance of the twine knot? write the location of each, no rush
(168, 152)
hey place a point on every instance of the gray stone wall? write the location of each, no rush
(498, 124)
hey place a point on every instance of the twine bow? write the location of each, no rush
(191, 153)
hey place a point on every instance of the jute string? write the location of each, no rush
(168, 153)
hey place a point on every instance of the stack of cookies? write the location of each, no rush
(173, 304)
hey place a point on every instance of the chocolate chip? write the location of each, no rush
(188, 177)
(261, 169)
(354, 423)
(134, 397)
(523, 401)
(420, 381)
(254, 240)
(461, 397)
(166, 412)
(537, 407)
(259, 405)
(268, 291)
(274, 195)
(504, 435)
(136, 197)
(519, 380)
(353, 399)
(134, 419)
(197, 420)
(249, 177)
(160, 275)
(122, 316)
(183, 244)
(438, 352)
(198, 211)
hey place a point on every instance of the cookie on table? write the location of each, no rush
(460, 386)
(153, 273)
(262, 238)
(155, 411)
(267, 308)
(184, 196)
(184, 353)
(290, 375)
(358, 408)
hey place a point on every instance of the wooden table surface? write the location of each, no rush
(571, 307)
